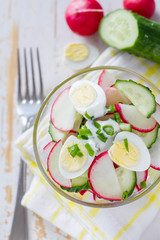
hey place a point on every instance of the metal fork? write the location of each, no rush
(27, 107)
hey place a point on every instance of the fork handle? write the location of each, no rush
(19, 230)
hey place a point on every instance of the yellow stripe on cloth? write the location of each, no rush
(93, 212)
(33, 192)
(137, 214)
(56, 213)
(82, 234)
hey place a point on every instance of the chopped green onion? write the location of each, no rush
(126, 144)
(79, 154)
(117, 117)
(88, 116)
(110, 109)
(82, 137)
(74, 150)
(124, 195)
(83, 122)
(47, 170)
(89, 149)
(143, 184)
(102, 137)
(108, 129)
(98, 131)
(96, 124)
(84, 131)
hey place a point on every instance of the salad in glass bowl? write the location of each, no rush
(96, 137)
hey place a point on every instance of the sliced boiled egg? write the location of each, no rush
(79, 55)
(129, 151)
(103, 133)
(75, 158)
(88, 98)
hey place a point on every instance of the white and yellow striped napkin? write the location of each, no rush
(124, 223)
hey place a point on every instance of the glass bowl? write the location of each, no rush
(41, 136)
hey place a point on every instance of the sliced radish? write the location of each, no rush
(103, 178)
(130, 114)
(48, 148)
(106, 80)
(113, 95)
(141, 176)
(53, 166)
(156, 114)
(155, 154)
(63, 114)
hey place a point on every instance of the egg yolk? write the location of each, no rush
(120, 155)
(76, 52)
(83, 96)
(73, 164)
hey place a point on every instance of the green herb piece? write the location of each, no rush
(77, 189)
(110, 109)
(47, 170)
(84, 131)
(96, 124)
(108, 129)
(124, 195)
(98, 131)
(102, 137)
(117, 117)
(74, 150)
(143, 184)
(79, 154)
(126, 144)
(89, 149)
(82, 137)
(83, 122)
(88, 116)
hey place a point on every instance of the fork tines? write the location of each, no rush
(32, 76)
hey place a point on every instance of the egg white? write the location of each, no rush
(68, 174)
(97, 108)
(144, 155)
(77, 65)
(99, 145)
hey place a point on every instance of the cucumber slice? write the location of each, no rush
(127, 179)
(139, 95)
(131, 32)
(119, 29)
(81, 180)
(148, 138)
(56, 134)
(125, 127)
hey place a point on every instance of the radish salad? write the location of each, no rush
(104, 137)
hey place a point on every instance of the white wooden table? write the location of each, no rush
(35, 23)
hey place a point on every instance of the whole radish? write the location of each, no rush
(144, 8)
(83, 16)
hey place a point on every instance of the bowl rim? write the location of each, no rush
(45, 176)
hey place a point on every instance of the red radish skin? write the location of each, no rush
(61, 113)
(49, 146)
(81, 21)
(106, 80)
(98, 158)
(119, 109)
(145, 8)
(141, 176)
(52, 152)
(82, 192)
